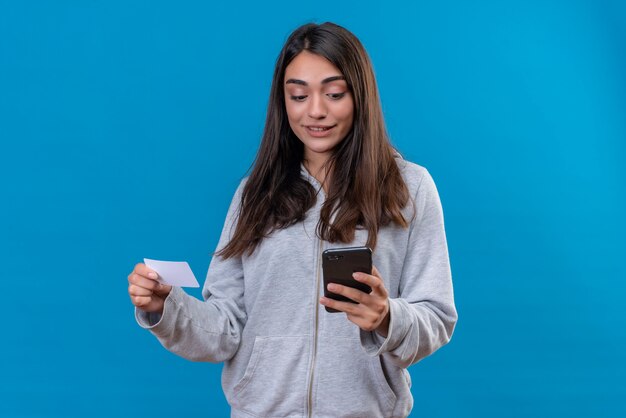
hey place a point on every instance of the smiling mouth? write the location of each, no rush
(319, 128)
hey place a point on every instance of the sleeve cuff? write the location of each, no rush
(374, 344)
(160, 324)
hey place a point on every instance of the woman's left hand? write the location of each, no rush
(371, 312)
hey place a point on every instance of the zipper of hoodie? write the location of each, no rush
(317, 310)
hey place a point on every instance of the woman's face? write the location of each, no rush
(320, 107)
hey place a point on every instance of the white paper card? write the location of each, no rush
(173, 273)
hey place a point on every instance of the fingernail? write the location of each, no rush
(152, 275)
(356, 275)
(332, 286)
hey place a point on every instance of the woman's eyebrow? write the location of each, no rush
(324, 81)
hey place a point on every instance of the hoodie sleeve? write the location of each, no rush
(423, 317)
(208, 330)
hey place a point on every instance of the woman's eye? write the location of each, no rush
(336, 96)
(298, 98)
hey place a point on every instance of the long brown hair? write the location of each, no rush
(366, 189)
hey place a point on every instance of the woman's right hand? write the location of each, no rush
(145, 291)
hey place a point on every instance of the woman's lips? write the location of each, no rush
(319, 131)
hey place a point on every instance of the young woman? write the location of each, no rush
(325, 177)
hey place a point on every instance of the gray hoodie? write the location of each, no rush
(284, 355)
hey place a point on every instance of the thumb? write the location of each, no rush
(162, 289)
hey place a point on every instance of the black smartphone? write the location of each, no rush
(338, 264)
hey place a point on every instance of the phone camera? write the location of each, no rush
(334, 257)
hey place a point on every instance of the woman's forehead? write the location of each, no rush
(308, 68)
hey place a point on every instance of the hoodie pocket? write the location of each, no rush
(274, 382)
(349, 382)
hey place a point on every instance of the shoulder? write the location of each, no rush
(242, 184)
(413, 174)
(422, 189)
(240, 188)
(236, 199)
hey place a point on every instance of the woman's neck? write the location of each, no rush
(318, 169)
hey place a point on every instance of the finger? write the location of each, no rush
(375, 304)
(376, 283)
(366, 323)
(135, 290)
(349, 292)
(347, 307)
(143, 282)
(375, 272)
(163, 290)
(145, 271)
(141, 301)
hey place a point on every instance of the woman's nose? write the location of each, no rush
(317, 107)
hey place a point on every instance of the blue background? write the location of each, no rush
(126, 126)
